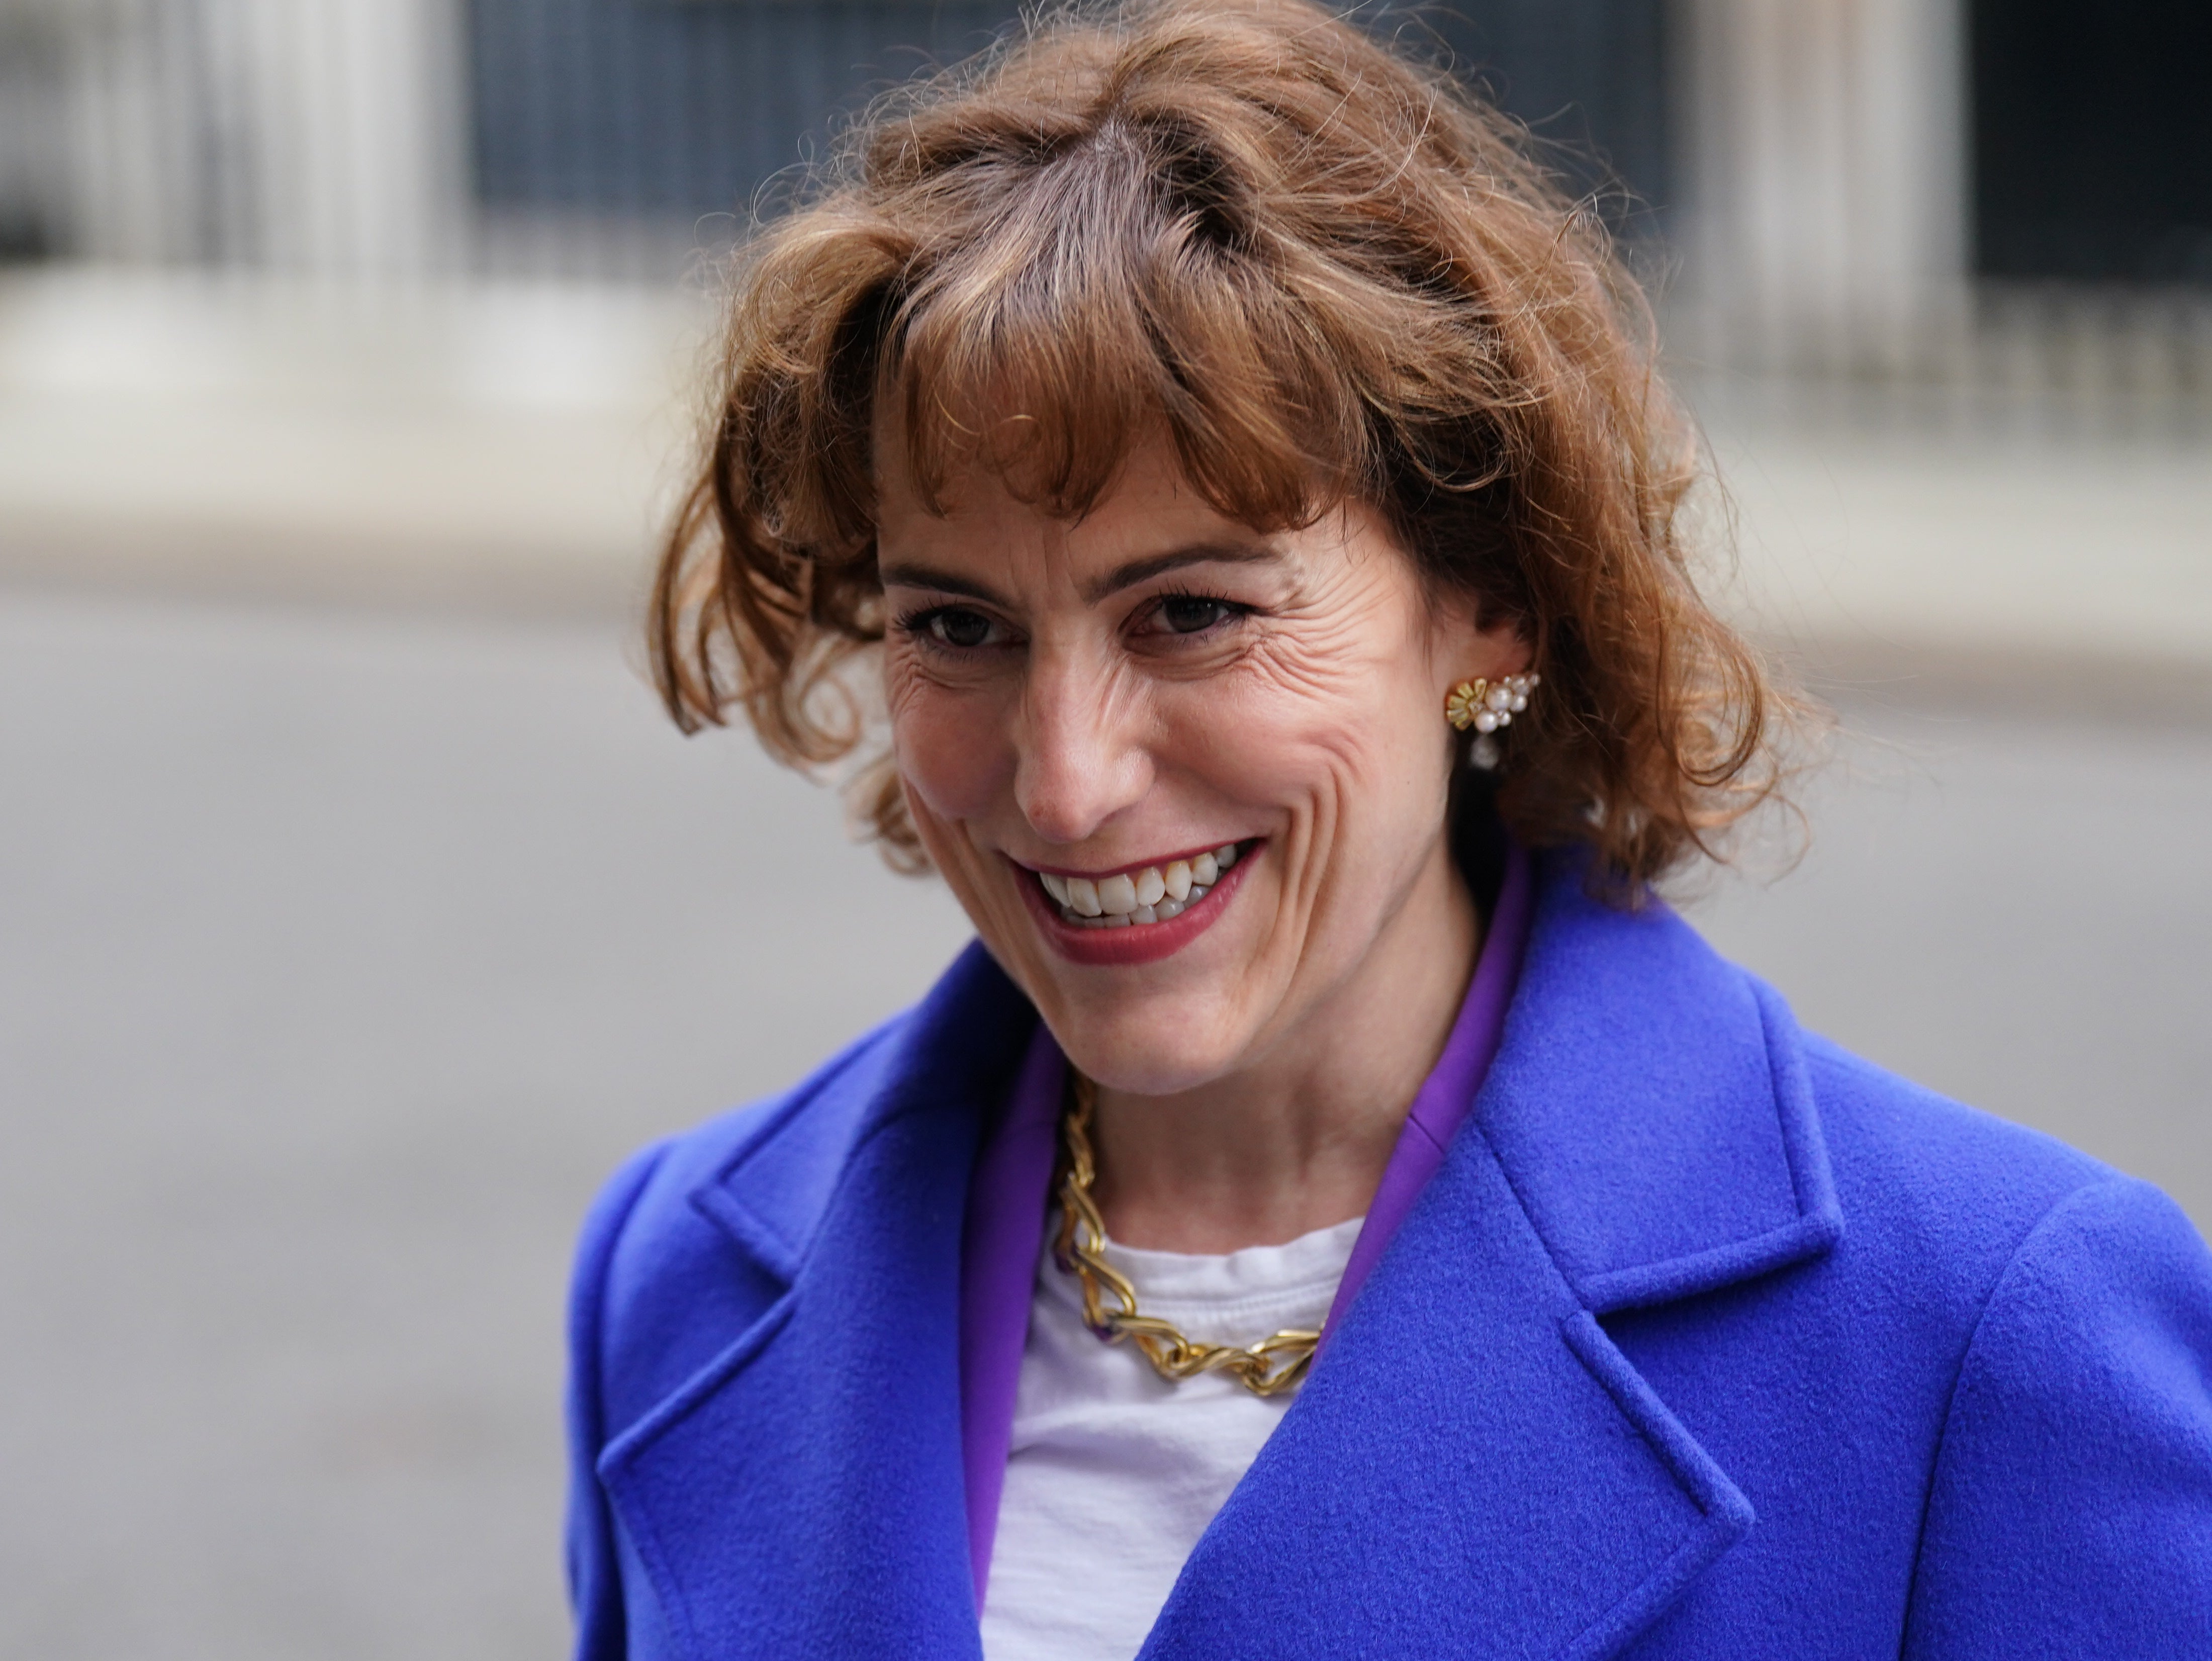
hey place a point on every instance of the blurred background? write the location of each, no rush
(358, 912)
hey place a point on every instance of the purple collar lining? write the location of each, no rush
(1446, 1097)
(1007, 1201)
(1005, 1232)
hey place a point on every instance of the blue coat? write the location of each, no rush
(1707, 1341)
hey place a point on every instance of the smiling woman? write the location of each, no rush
(1335, 1200)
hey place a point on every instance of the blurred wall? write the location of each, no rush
(381, 137)
(314, 136)
(2016, 193)
(1826, 175)
(622, 137)
(2008, 192)
(1592, 78)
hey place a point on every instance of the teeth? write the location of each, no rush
(1152, 895)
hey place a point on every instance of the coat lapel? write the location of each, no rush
(802, 1494)
(1475, 1468)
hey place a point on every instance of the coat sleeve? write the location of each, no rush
(594, 1555)
(2070, 1510)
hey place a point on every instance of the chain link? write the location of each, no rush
(1269, 1367)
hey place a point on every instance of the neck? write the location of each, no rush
(1297, 1140)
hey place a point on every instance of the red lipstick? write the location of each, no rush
(1140, 943)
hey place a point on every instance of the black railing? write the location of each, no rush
(657, 107)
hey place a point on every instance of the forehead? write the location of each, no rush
(983, 517)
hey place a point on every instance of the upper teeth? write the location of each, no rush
(1150, 895)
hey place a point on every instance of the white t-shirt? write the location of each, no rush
(1112, 1472)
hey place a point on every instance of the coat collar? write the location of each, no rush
(1473, 1442)
(1651, 1107)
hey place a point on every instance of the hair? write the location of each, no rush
(1324, 271)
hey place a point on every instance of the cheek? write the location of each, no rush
(949, 746)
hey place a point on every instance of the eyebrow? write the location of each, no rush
(909, 575)
(1205, 553)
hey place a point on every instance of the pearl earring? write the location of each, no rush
(1486, 706)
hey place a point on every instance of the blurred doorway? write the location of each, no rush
(2093, 140)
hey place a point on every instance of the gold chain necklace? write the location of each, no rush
(1266, 1368)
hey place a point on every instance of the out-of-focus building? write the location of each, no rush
(2011, 189)
(302, 136)
(1857, 186)
(420, 274)
(1825, 202)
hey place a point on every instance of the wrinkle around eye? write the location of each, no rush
(914, 664)
(1314, 663)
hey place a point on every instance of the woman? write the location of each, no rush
(1335, 1209)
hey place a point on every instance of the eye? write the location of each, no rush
(1192, 614)
(957, 627)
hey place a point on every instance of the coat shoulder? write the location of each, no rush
(698, 1235)
(2068, 1497)
(698, 1240)
(1905, 1157)
(1939, 1199)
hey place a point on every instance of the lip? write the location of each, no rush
(1140, 943)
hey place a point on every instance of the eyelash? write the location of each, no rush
(916, 625)
(1232, 610)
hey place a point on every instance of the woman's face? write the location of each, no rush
(1188, 779)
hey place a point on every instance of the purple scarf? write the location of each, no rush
(1006, 1202)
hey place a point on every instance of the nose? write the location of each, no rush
(1082, 758)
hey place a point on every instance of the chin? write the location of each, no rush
(1130, 1049)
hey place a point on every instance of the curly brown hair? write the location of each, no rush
(1325, 271)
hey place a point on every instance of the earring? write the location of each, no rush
(1487, 705)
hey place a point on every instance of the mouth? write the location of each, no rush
(1142, 895)
(1140, 912)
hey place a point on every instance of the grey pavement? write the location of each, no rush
(342, 958)
(342, 953)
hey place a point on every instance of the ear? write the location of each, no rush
(1464, 645)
